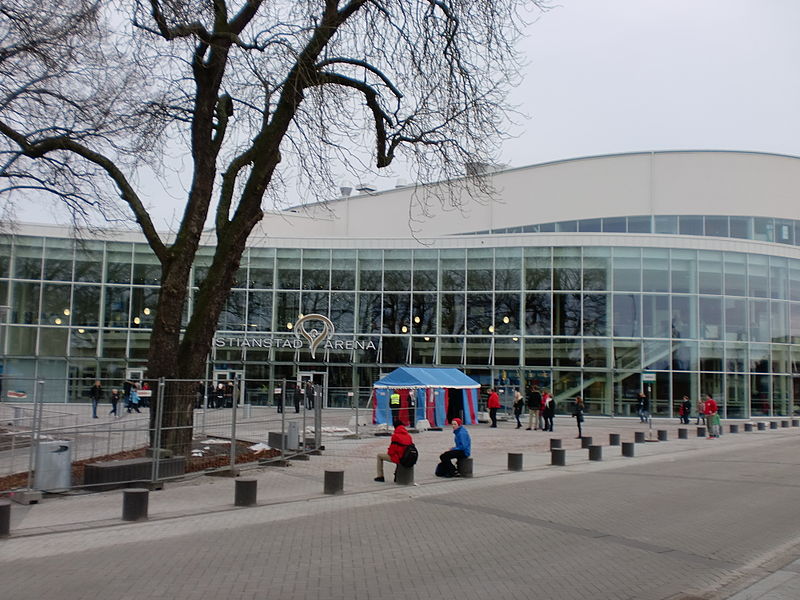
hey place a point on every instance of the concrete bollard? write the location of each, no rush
(638, 437)
(134, 504)
(784, 424)
(762, 426)
(514, 461)
(773, 424)
(595, 452)
(5, 517)
(795, 422)
(628, 449)
(246, 490)
(558, 457)
(586, 442)
(555, 443)
(334, 482)
(663, 436)
(613, 439)
(465, 466)
(748, 427)
(404, 475)
(683, 433)
(701, 432)
(733, 428)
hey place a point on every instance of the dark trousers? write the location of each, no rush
(516, 416)
(548, 422)
(447, 457)
(493, 416)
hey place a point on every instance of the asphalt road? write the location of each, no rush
(716, 522)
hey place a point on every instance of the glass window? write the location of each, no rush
(736, 357)
(117, 306)
(614, 225)
(784, 231)
(424, 315)
(288, 269)
(717, 226)
(596, 268)
(451, 350)
(759, 395)
(684, 356)
(711, 358)
(343, 276)
(5, 256)
(684, 317)
(763, 229)
(58, 260)
(507, 351)
(666, 224)
(778, 277)
(259, 310)
(735, 274)
(596, 352)
(28, 258)
(709, 266)
(779, 322)
(656, 355)
(53, 341)
(83, 342)
(24, 302)
(627, 315)
(370, 270)
(397, 270)
(567, 352)
(56, 307)
(655, 316)
(589, 225)
(287, 310)
(261, 270)
(119, 259)
(508, 269)
(627, 269)
(480, 314)
(758, 276)
(628, 354)
(395, 348)
(683, 272)
(425, 270)
(566, 268)
(537, 352)
(639, 224)
(741, 227)
(655, 266)
(538, 270)
(479, 349)
(759, 358)
(690, 225)
(780, 358)
(735, 319)
(86, 305)
(537, 314)
(316, 269)
(759, 321)
(396, 313)
(89, 262)
(232, 317)
(369, 313)
(315, 303)
(736, 388)
(794, 322)
(423, 350)
(453, 313)
(710, 318)
(507, 314)
(595, 315)
(566, 314)
(453, 270)
(342, 311)
(566, 226)
(479, 270)
(146, 268)
(794, 280)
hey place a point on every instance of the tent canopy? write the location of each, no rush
(417, 377)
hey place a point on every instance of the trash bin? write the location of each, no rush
(53, 466)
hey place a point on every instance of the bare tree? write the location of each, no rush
(253, 89)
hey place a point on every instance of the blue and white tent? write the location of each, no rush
(432, 391)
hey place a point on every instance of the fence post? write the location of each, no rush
(283, 420)
(157, 428)
(317, 419)
(36, 428)
(234, 404)
(356, 398)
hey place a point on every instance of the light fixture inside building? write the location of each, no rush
(81, 331)
(404, 329)
(506, 320)
(427, 339)
(66, 311)
(416, 319)
(516, 339)
(58, 321)
(289, 325)
(136, 320)
(491, 328)
(146, 311)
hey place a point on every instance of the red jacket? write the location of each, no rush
(494, 401)
(400, 439)
(710, 407)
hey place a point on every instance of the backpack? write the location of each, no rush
(409, 457)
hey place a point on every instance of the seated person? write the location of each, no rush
(400, 439)
(462, 449)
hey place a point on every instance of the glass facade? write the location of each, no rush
(583, 320)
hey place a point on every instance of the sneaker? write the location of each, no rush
(381, 479)
(527, 429)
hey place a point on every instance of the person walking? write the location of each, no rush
(519, 402)
(548, 410)
(493, 403)
(712, 418)
(684, 410)
(461, 450)
(400, 440)
(534, 401)
(96, 394)
(578, 414)
(114, 401)
(643, 407)
(133, 398)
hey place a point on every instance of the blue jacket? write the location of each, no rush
(463, 441)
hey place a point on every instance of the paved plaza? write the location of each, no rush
(682, 520)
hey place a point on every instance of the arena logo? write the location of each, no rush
(313, 336)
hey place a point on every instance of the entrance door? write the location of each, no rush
(319, 381)
(236, 378)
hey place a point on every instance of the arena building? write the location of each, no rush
(673, 272)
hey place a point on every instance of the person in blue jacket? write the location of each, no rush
(462, 449)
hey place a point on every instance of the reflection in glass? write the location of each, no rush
(537, 314)
(453, 313)
(453, 270)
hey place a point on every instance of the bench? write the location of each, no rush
(119, 473)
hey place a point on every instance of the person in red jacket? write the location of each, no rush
(712, 421)
(400, 439)
(493, 403)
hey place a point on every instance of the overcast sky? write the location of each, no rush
(608, 76)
